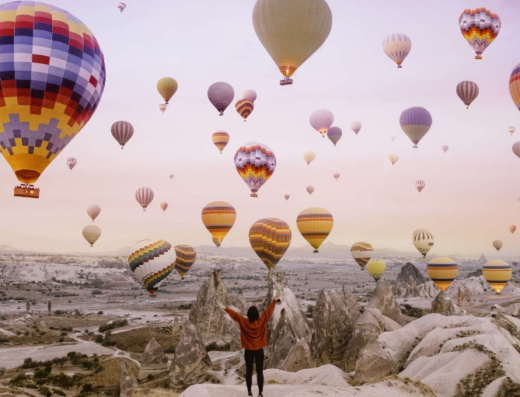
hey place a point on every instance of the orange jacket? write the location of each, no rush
(253, 335)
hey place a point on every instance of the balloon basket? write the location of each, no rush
(478, 57)
(315, 252)
(415, 147)
(26, 190)
(254, 195)
(286, 81)
(399, 67)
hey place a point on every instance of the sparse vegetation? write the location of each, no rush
(509, 389)
(113, 324)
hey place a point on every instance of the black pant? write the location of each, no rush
(257, 356)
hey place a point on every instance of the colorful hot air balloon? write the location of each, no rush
(163, 206)
(186, 256)
(511, 130)
(445, 148)
(310, 190)
(334, 134)
(376, 269)
(220, 140)
(394, 158)
(71, 162)
(479, 27)
(355, 126)
(171, 176)
(144, 196)
(498, 244)
(287, 197)
(514, 86)
(270, 238)
(162, 107)
(290, 40)
(336, 175)
(151, 261)
(244, 108)
(255, 164)
(516, 149)
(397, 46)
(121, 6)
(122, 131)
(416, 122)
(218, 217)
(467, 92)
(250, 95)
(497, 273)
(221, 95)
(420, 185)
(315, 225)
(321, 120)
(93, 211)
(512, 229)
(362, 252)
(423, 240)
(52, 79)
(309, 156)
(167, 88)
(392, 138)
(442, 271)
(91, 233)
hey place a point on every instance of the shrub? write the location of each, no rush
(112, 325)
(310, 309)
(185, 306)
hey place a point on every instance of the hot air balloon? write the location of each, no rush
(511, 130)
(151, 262)
(376, 269)
(321, 120)
(290, 40)
(514, 86)
(52, 78)
(336, 175)
(171, 176)
(479, 27)
(355, 126)
(394, 158)
(362, 252)
(218, 217)
(497, 273)
(310, 190)
(244, 108)
(315, 225)
(423, 240)
(93, 211)
(270, 238)
(512, 229)
(91, 233)
(220, 140)
(287, 197)
(334, 134)
(255, 164)
(397, 46)
(392, 138)
(163, 206)
(445, 148)
(516, 149)
(416, 122)
(122, 131)
(162, 107)
(309, 156)
(442, 271)
(467, 92)
(144, 196)
(186, 256)
(121, 6)
(420, 185)
(498, 244)
(167, 88)
(250, 95)
(221, 95)
(71, 162)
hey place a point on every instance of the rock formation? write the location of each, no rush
(176, 328)
(384, 300)
(128, 381)
(153, 360)
(463, 296)
(442, 304)
(409, 270)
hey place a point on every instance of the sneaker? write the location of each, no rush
(260, 395)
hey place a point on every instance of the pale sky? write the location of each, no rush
(471, 194)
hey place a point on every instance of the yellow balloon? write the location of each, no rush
(442, 271)
(497, 273)
(167, 87)
(376, 269)
(315, 225)
(218, 217)
(309, 156)
(394, 158)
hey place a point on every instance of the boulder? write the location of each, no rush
(384, 300)
(463, 296)
(373, 364)
(153, 361)
(127, 382)
(442, 304)
(410, 271)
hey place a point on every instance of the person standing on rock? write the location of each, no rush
(253, 334)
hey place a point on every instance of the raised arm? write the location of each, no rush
(269, 311)
(233, 314)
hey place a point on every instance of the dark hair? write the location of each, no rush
(252, 314)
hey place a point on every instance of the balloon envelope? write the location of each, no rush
(167, 88)
(185, 259)
(445, 148)
(376, 269)
(511, 130)
(309, 156)
(480, 27)
(220, 140)
(221, 95)
(423, 241)
(467, 92)
(121, 6)
(144, 196)
(356, 126)
(163, 107)
(397, 46)
(415, 122)
(514, 87)
(310, 189)
(336, 175)
(270, 239)
(442, 271)
(122, 131)
(171, 176)
(420, 185)
(321, 120)
(362, 252)
(93, 211)
(218, 217)
(394, 158)
(498, 244)
(255, 163)
(287, 197)
(334, 134)
(163, 206)
(516, 149)
(91, 233)
(497, 273)
(244, 108)
(250, 95)
(71, 162)
(512, 229)
(315, 225)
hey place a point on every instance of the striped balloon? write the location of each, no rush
(397, 46)
(122, 131)
(362, 252)
(355, 126)
(511, 130)
(71, 162)
(376, 269)
(270, 239)
(423, 240)
(151, 261)
(420, 185)
(221, 95)
(321, 120)
(144, 196)
(218, 217)
(336, 175)
(415, 122)
(514, 86)
(497, 273)
(334, 134)
(186, 256)
(244, 108)
(442, 271)
(310, 190)
(498, 244)
(315, 225)
(467, 92)
(480, 27)
(445, 148)
(255, 163)
(220, 140)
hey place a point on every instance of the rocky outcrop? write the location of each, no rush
(463, 296)
(410, 271)
(214, 324)
(176, 327)
(335, 313)
(442, 304)
(384, 300)
(153, 361)
(406, 290)
(128, 381)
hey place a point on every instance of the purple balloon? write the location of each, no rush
(334, 134)
(221, 95)
(415, 123)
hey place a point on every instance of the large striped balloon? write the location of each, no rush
(423, 240)
(415, 122)
(122, 131)
(467, 92)
(315, 225)
(514, 89)
(151, 261)
(244, 108)
(270, 239)
(497, 273)
(221, 95)
(144, 196)
(321, 120)
(442, 271)
(255, 164)
(397, 46)
(362, 252)
(71, 162)
(186, 256)
(218, 217)
(220, 140)
(480, 27)
(334, 134)
(376, 269)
